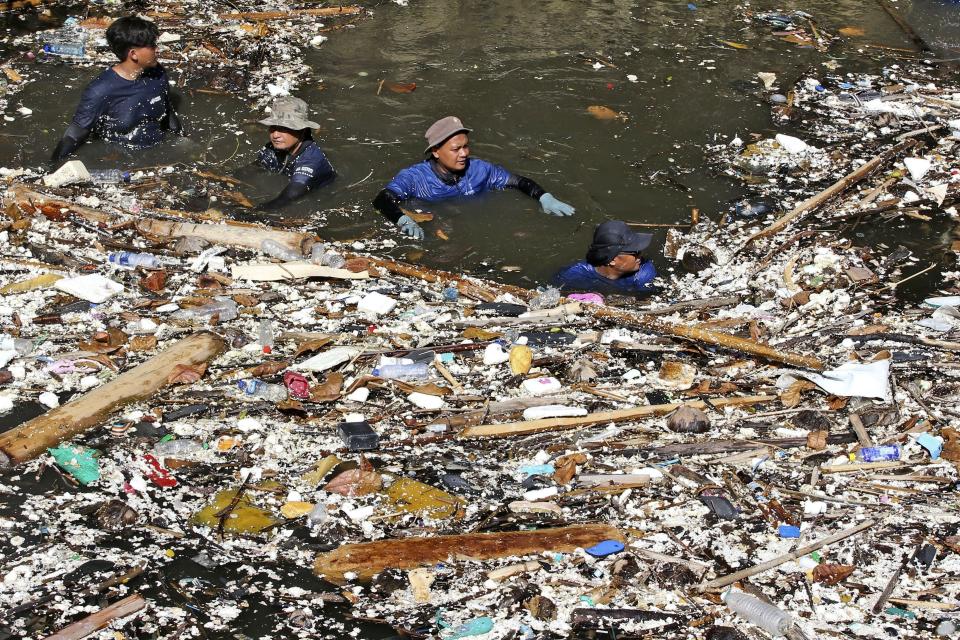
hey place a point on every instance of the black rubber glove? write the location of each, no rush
(70, 142)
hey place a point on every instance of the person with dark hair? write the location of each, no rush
(292, 151)
(449, 172)
(129, 103)
(614, 263)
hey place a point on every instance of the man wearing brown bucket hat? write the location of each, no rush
(449, 172)
(292, 151)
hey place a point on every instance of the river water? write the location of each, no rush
(522, 75)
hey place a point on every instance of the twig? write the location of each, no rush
(894, 285)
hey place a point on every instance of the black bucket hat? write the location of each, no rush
(613, 237)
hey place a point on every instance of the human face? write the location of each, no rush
(453, 153)
(626, 262)
(284, 139)
(143, 57)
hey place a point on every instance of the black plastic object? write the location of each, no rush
(502, 309)
(183, 412)
(720, 506)
(358, 436)
(548, 338)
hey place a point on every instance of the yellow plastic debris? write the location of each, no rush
(411, 496)
(40, 282)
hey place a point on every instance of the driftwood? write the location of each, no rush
(367, 559)
(623, 415)
(25, 197)
(833, 190)
(271, 272)
(235, 235)
(96, 621)
(34, 437)
(261, 16)
(779, 560)
(698, 334)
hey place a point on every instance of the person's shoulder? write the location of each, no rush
(104, 81)
(156, 73)
(312, 153)
(414, 170)
(578, 269)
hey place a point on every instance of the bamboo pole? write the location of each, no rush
(367, 559)
(98, 620)
(228, 234)
(34, 437)
(779, 560)
(508, 429)
(836, 188)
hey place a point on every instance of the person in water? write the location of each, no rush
(614, 263)
(129, 103)
(448, 171)
(292, 152)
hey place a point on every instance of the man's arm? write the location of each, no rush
(293, 191)
(388, 204)
(70, 142)
(548, 203)
(92, 105)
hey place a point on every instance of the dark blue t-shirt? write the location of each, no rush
(130, 112)
(309, 167)
(421, 181)
(582, 276)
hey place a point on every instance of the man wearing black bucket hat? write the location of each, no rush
(292, 151)
(449, 172)
(613, 264)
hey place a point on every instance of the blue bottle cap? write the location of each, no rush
(605, 548)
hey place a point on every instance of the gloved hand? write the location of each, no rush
(410, 228)
(554, 207)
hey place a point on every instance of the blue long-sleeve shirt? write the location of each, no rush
(131, 112)
(583, 276)
(422, 182)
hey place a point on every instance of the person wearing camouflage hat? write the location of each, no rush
(293, 152)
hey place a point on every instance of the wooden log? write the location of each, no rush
(527, 427)
(833, 190)
(779, 560)
(698, 334)
(227, 234)
(367, 559)
(262, 16)
(25, 196)
(34, 437)
(100, 619)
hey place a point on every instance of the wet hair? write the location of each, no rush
(130, 32)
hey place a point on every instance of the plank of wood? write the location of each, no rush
(32, 438)
(100, 619)
(859, 466)
(367, 559)
(509, 429)
(235, 235)
(862, 436)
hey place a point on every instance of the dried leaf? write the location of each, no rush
(329, 390)
(735, 45)
(12, 74)
(521, 359)
(357, 265)
(291, 404)
(601, 112)
(831, 574)
(186, 373)
(143, 343)
(100, 358)
(835, 403)
(356, 482)
(314, 344)
(565, 467)
(431, 389)
(951, 444)
(817, 440)
(266, 369)
(246, 300)
(476, 333)
(154, 281)
(851, 31)
(440, 234)
(104, 341)
(418, 216)
(401, 87)
(791, 397)
(237, 197)
(800, 40)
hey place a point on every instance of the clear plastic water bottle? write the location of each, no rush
(133, 260)
(109, 176)
(67, 42)
(279, 251)
(320, 255)
(225, 308)
(882, 453)
(414, 371)
(754, 610)
(22, 346)
(546, 299)
(177, 447)
(259, 390)
(265, 333)
(318, 515)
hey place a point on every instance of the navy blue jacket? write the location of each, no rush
(308, 167)
(131, 112)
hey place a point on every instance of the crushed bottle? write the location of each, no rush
(279, 251)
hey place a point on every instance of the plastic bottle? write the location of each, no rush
(281, 252)
(265, 332)
(225, 308)
(259, 390)
(318, 515)
(177, 447)
(413, 371)
(64, 45)
(546, 299)
(882, 453)
(754, 610)
(132, 260)
(320, 255)
(22, 346)
(109, 176)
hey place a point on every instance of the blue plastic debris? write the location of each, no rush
(789, 531)
(475, 627)
(605, 548)
(691, 6)
(537, 469)
(79, 462)
(933, 444)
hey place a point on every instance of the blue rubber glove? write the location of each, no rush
(410, 228)
(554, 207)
